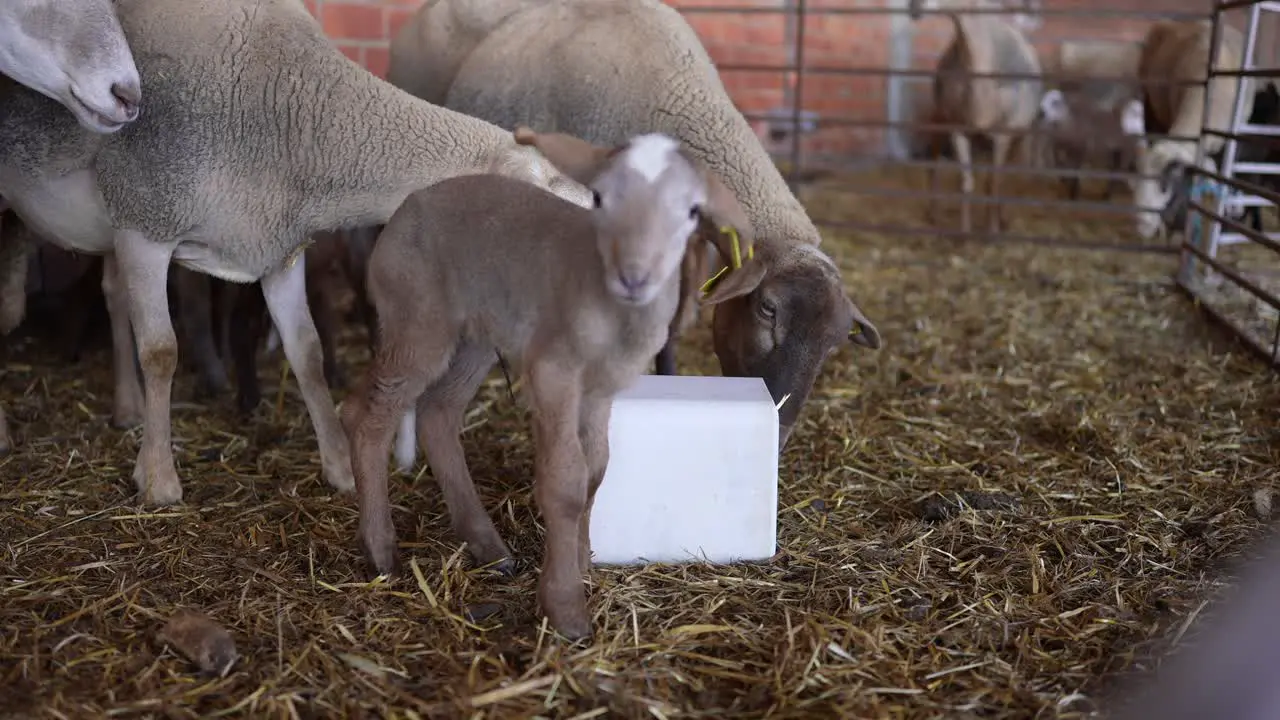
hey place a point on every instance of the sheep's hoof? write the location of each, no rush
(160, 489)
(567, 612)
(506, 567)
(381, 558)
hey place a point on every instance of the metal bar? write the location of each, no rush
(1248, 232)
(1230, 272)
(1252, 72)
(926, 73)
(793, 172)
(1241, 185)
(1043, 240)
(948, 127)
(1015, 200)
(1246, 130)
(1094, 14)
(1237, 4)
(874, 161)
(1220, 317)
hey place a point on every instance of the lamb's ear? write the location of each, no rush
(1053, 106)
(863, 332)
(572, 156)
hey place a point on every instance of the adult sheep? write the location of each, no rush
(258, 133)
(606, 70)
(1179, 51)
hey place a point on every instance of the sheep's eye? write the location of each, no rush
(766, 309)
(595, 199)
(694, 212)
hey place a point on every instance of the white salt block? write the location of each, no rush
(693, 473)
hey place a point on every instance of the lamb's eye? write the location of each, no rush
(767, 309)
(694, 212)
(595, 199)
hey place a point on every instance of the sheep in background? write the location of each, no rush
(1082, 132)
(982, 106)
(605, 70)
(1179, 50)
(241, 156)
(576, 299)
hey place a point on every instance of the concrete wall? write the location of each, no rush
(361, 28)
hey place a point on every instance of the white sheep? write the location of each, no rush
(606, 70)
(1179, 50)
(74, 52)
(992, 107)
(258, 133)
(576, 300)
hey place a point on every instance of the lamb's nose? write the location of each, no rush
(633, 281)
(129, 95)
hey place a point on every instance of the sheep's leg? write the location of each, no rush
(15, 248)
(5, 443)
(243, 340)
(440, 412)
(142, 266)
(560, 489)
(999, 153)
(129, 403)
(963, 152)
(286, 294)
(665, 362)
(195, 308)
(359, 244)
(369, 416)
(594, 434)
(319, 299)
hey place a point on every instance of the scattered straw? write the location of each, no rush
(1090, 446)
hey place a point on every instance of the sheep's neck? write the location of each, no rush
(397, 144)
(748, 171)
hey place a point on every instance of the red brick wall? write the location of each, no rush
(361, 28)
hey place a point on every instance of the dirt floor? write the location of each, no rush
(1040, 477)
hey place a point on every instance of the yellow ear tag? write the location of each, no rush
(710, 283)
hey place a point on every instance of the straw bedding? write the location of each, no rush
(1040, 477)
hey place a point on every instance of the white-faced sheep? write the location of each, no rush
(577, 300)
(74, 52)
(982, 106)
(606, 70)
(1179, 51)
(258, 133)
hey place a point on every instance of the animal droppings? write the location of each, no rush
(202, 641)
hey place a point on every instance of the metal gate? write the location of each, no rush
(890, 168)
(1231, 269)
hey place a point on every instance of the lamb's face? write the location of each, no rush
(646, 204)
(1153, 192)
(75, 52)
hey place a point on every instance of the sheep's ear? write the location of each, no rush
(735, 240)
(1053, 106)
(693, 271)
(572, 156)
(863, 333)
(729, 284)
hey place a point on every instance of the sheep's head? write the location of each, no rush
(648, 197)
(76, 53)
(1162, 185)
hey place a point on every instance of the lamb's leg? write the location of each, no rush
(560, 489)
(5, 443)
(126, 351)
(960, 146)
(320, 300)
(440, 413)
(245, 336)
(999, 153)
(138, 274)
(594, 433)
(194, 303)
(369, 416)
(285, 292)
(665, 362)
